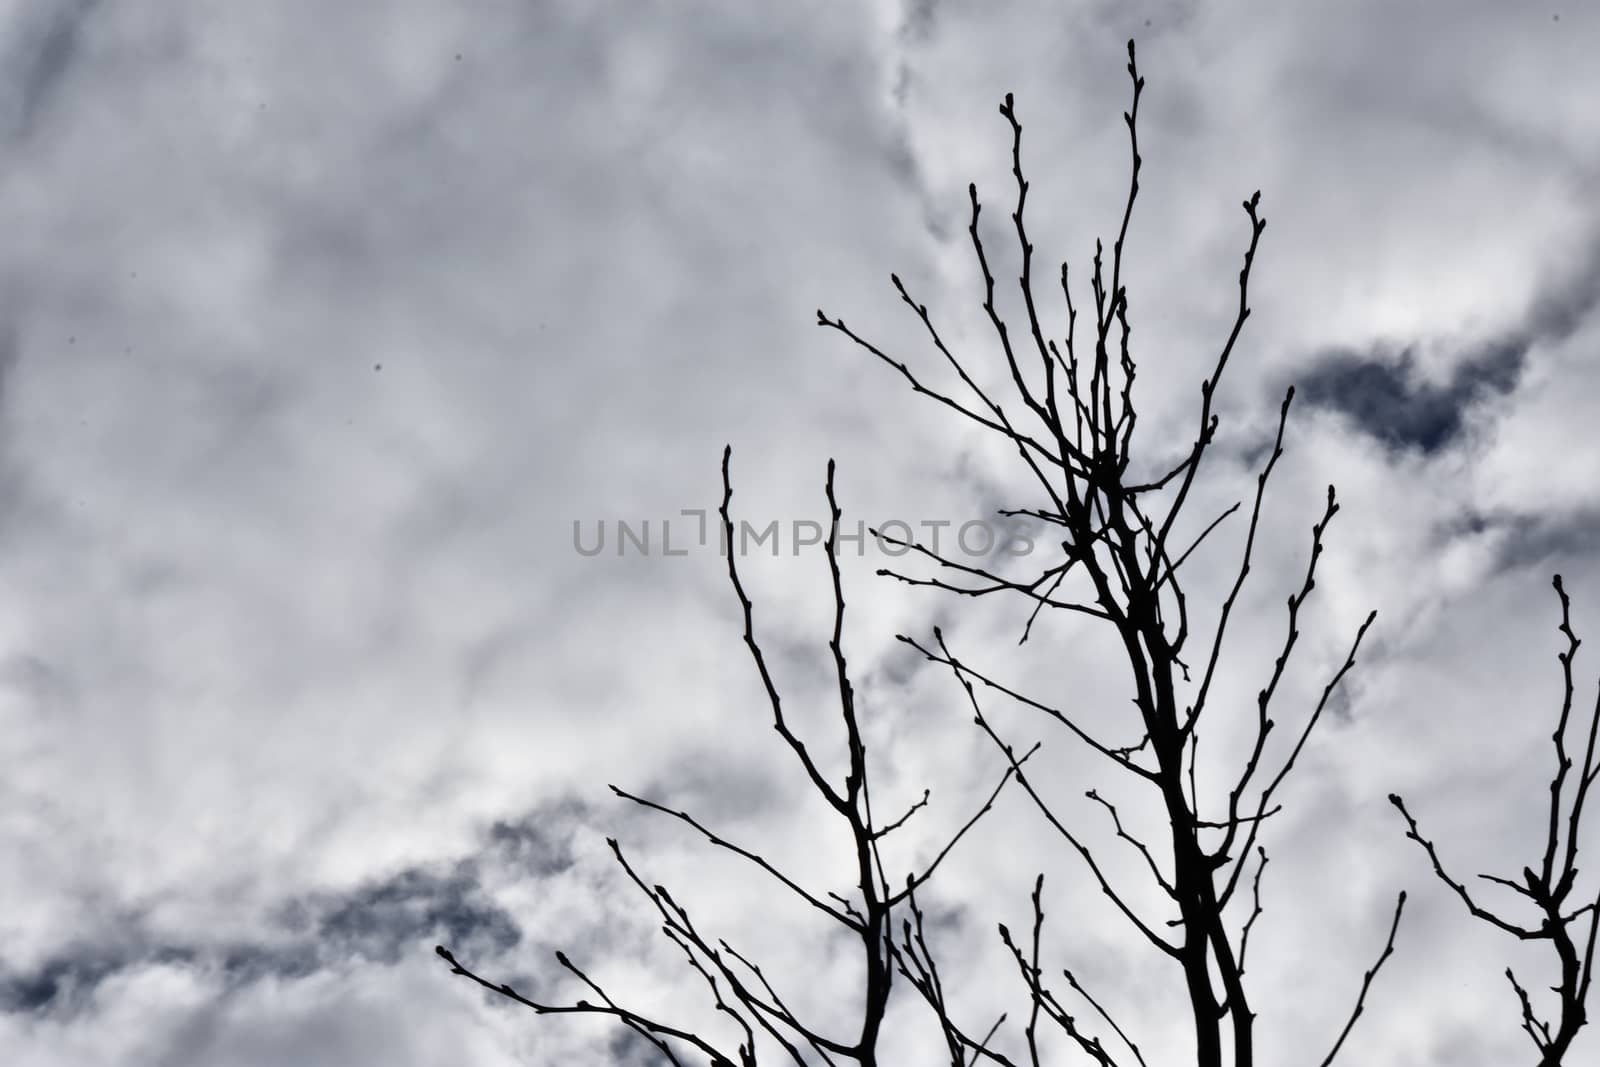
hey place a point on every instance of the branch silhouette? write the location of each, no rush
(739, 988)
(1547, 888)
(1070, 416)
(1065, 403)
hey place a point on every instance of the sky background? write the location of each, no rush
(322, 324)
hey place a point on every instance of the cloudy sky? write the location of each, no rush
(322, 325)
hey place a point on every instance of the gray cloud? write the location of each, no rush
(380, 922)
(42, 45)
(1381, 395)
(1386, 397)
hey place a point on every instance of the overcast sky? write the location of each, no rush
(321, 325)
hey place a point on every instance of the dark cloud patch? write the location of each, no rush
(1527, 540)
(943, 917)
(380, 922)
(245, 964)
(10, 356)
(1341, 703)
(44, 686)
(714, 786)
(42, 53)
(529, 846)
(1384, 397)
(59, 981)
(63, 982)
(12, 481)
(919, 20)
(625, 1048)
(1382, 394)
(899, 667)
(1381, 399)
(1559, 311)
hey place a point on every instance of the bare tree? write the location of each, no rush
(1548, 887)
(1076, 440)
(1069, 414)
(738, 986)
